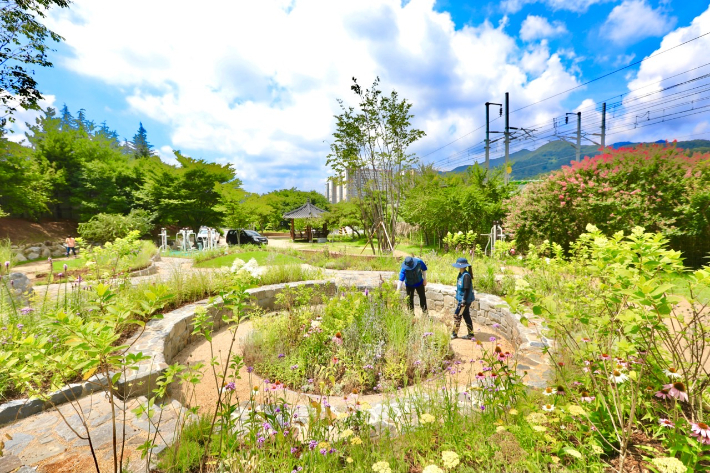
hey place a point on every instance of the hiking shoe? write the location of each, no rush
(453, 336)
(470, 336)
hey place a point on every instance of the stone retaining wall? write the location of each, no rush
(150, 270)
(164, 338)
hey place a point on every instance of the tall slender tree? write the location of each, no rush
(141, 147)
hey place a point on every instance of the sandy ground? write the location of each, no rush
(205, 393)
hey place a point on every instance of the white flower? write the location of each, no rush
(315, 323)
(672, 373)
(618, 377)
(449, 459)
(669, 465)
(547, 260)
(432, 469)
(548, 407)
(426, 419)
(381, 467)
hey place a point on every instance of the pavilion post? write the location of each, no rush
(293, 231)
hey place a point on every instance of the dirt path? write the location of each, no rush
(205, 394)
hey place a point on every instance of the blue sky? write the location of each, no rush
(255, 83)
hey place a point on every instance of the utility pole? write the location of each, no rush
(507, 136)
(579, 135)
(604, 125)
(488, 136)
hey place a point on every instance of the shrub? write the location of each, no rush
(107, 227)
(655, 186)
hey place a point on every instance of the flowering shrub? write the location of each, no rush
(655, 186)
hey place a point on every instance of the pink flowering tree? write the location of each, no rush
(657, 187)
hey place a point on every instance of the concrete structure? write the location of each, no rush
(354, 184)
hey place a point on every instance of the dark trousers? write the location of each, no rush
(72, 249)
(466, 315)
(420, 293)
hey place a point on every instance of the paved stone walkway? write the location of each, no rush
(46, 441)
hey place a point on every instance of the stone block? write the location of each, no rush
(19, 409)
(9, 463)
(69, 393)
(449, 302)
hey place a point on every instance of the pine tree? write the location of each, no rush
(141, 147)
(81, 122)
(67, 121)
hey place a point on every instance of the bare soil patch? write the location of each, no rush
(21, 231)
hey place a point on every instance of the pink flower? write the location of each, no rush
(701, 432)
(663, 394)
(666, 423)
(677, 391)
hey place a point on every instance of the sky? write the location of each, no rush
(256, 84)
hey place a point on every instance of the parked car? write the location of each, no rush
(203, 236)
(246, 237)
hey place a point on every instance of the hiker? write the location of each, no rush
(464, 297)
(413, 275)
(71, 245)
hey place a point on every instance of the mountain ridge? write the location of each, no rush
(555, 154)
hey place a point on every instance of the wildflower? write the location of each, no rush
(536, 418)
(586, 397)
(312, 444)
(669, 465)
(323, 451)
(346, 434)
(349, 460)
(596, 449)
(65, 267)
(701, 431)
(381, 467)
(427, 334)
(416, 363)
(449, 459)
(576, 410)
(250, 369)
(294, 367)
(548, 407)
(500, 428)
(539, 428)
(26, 310)
(260, 441)
(432, 469)
(666, 423)
(293, 450)
(663, 394)
(560, 391)
(356, 441)
(618, 377)
(604, 357)
(586, 339)
(513, 412)
(230, 387)
(677, 391)
(496, 325)
(672, 373)
(281, 355)
(548, 391)
(20, 326)
(426, 418)
(255, 388)
(492, 339)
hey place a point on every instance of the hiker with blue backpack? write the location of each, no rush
(464, 297)
(413, 275)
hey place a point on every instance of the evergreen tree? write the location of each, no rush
(141, 147)
(108, 134)
(83, 124)
(67, 120)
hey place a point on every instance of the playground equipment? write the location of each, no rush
(207, 238)
(496, 234)
(163, 240)
(185, 240)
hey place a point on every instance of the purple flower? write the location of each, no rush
(428, 334)
(332, 450)
(294, 367)
(312, 444)
(7, 265)
(367, 292)
(26, 310)
(323, 451)
(65, 267)
(79, 279)
(368, 367)
(281, 355)
(260, 441)
(496, 325)
(417, 363)
(230, 387)
(483, 407)
(250, 369)
(293, 450)
(20, 326)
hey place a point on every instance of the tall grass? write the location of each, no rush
(288, 273)
(6, 254)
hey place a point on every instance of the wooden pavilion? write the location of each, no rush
(307, 211)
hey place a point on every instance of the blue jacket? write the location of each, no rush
(419, 266)
(464, 295)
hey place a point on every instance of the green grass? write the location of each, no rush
(264, 258)
(72, 263)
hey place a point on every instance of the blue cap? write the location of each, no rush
(409, 262)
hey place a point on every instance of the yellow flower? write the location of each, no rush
(449, 459)
(432, 469)
(349, 460)
(381, 467)
(323, 445)
(366, 406)
(669, 465)
(536, 418)
(500, 428)
(426, 418)
(576, 410)
(346, 433)
(513, 412)
(342, 415)
(555, 459)
(597, 449)
(356, 441)
(539, 428)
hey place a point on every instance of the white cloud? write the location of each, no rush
(538, 27)
(580, 6)
(677, 108)
(635, 20)
(255, 83)
(22, 117)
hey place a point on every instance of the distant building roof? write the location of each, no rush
(307, 210)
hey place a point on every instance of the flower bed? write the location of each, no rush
(354, 342)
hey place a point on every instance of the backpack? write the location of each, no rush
(413, 276)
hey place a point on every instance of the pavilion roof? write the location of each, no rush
(307, 210)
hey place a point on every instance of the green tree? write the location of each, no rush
(345, 214)
(23, 41)
(186, 195)
(141, 147)
(375, 138)
(24, 188)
